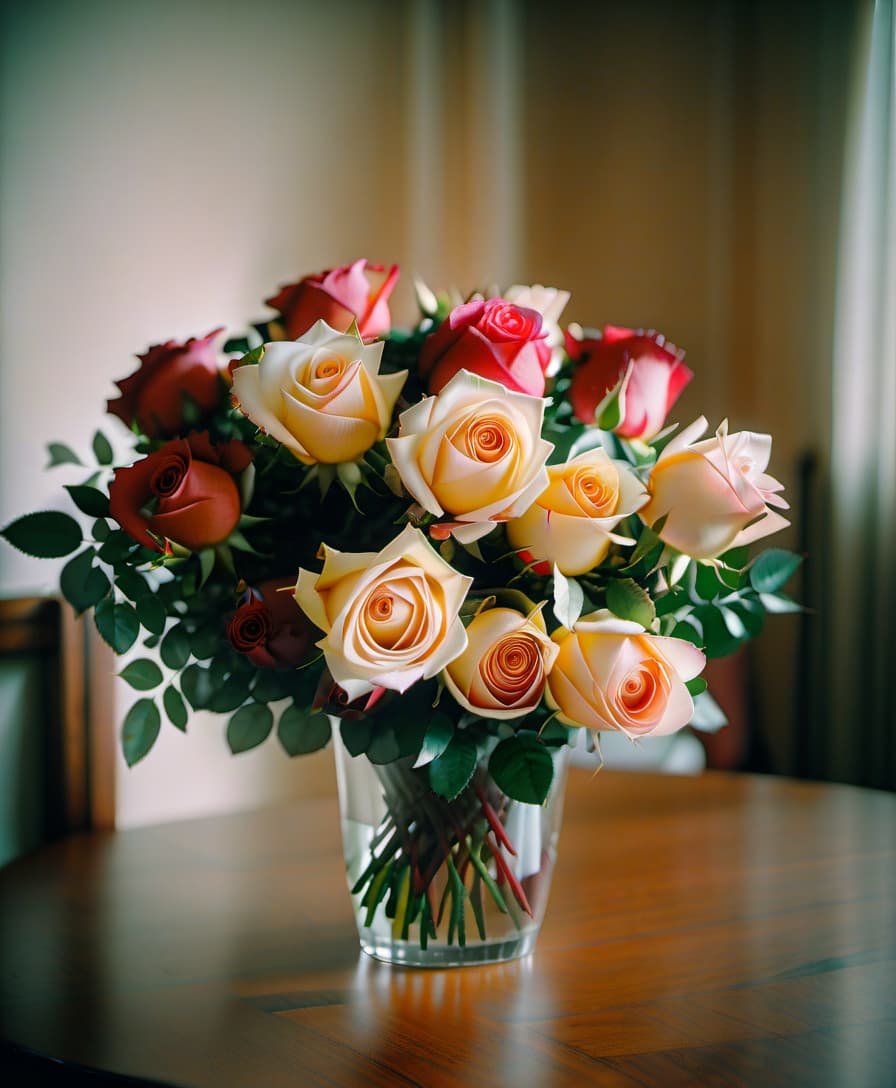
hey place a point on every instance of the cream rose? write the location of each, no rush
(715, 494)
(610, 674)
(501, 673)
(474, 451)
(570, 522)
(391, 618)
(322, 395)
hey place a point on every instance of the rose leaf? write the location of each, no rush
(139, 730)
(46, 535)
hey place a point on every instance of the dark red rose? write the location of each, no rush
(656, 377)
(153, 396)
(356, 292)
(270, 628)
(184, 492)
(334, 700)
(493, 339)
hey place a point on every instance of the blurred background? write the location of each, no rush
(722, 171)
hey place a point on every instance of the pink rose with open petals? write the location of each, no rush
(652, 368)
(493, 339)
(356, 292)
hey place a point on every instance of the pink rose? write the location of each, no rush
(356, 292)
(494, 340)
(653, 368)
(153, 396)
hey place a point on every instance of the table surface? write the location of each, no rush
(729, 930)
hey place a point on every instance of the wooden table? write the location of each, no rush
(721, 930)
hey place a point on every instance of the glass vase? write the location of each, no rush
(443, 884)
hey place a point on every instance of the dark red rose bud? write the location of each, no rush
(172, 376)
(250, 627)
(270, 628)
(334, 700)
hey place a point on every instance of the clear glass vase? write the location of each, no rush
(443, 884)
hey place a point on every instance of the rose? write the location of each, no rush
(501, 673)
(474, 451)
(322, 396)
(356, 292)
(570, 522)
(333, 700)
(550, 303)
(610, 674)
(172, 380)
(270, 628)
(494, 339)
(391, 618)
(715, 494)
(650, 368)
(184, 492)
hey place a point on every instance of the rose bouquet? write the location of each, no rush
(465, 544)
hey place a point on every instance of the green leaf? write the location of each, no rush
(772, 569)
(175, 708)
(139, 730)
(453, 769)
(439, 732)
(102, 450)
(301, 731)
(355, 734)
(46, 535)
(206, 565)
(271, 685)
(82, 584)
(117, 623)
(568, 599)
(629, 601)
(205, 642)
(198, 686)
(249, 727)
(229, 695)
(151, 613)
(718, 641)
(132, 584)
(100, 529)
(708, 716)
(60, 454)
(696, 686)
(143, 674)
(89, 500)
(175, 648)
(116, 546)
(778, 603)
(522, 768)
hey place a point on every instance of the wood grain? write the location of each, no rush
(721, 930)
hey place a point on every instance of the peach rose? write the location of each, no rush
(611, 674)
(474, 451)
(356, 292)
(391, 618)
(715, 494)
(501, 673)
(322, 396)
(570, 522)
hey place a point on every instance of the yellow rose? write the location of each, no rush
(610, 674)
(501, 673)
(474, 451)
(570, 522)
(391, 618)
(715, 494)
(322, 395)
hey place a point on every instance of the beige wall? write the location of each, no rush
(165, 165)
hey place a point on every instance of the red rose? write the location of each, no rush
(270, 628)
(184, 492)
(656, 377)
(334, 700)
(153, 396)
(494, 340)
(356, 292)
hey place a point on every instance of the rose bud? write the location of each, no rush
(474, 451)
(154, 396)
(653, 368)
(322, 395)
(501, 673)
(357, 292)
(495, 340)
(334, 700)
(570, 523)
(270, 628)
(611, 674)
(715, 494)
(184, 492)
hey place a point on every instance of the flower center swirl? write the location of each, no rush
(512, 666)
(168, 477)
(488, 440)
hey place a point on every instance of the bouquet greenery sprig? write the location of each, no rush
(466, 541)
